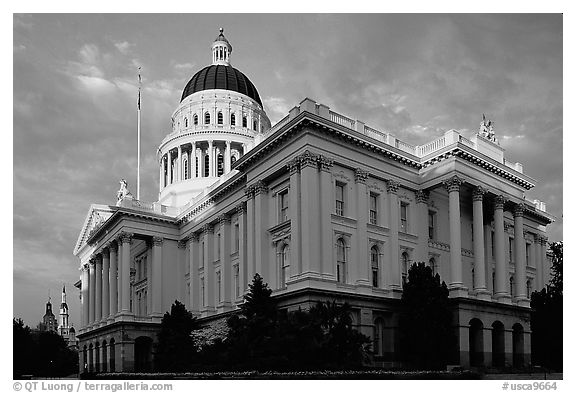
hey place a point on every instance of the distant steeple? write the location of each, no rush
(221, 50)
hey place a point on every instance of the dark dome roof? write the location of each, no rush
(221, 77)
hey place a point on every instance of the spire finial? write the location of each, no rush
(221, 30)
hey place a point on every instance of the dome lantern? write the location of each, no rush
(221, 50)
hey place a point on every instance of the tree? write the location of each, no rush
(175, 349)
(23, 349)
(546, 322)
(425, 319)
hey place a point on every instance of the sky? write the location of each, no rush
(75, 81)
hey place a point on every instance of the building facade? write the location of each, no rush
(322, 206)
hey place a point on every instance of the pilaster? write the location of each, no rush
(422, 197)
(295, 217)
(393, 271)
(456, 285)
(326, 197)
(501, 291)
(520, 254)
(363, 262)
(479, 257)
(157, 245)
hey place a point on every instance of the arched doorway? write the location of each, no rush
(104, 367)
(97, 357)
(476, 342)
(91, 358)
(498, 347)
(518, 345)
(85, 359)
(143, 354)
(112, 350)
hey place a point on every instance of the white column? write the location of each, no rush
(392, 269)
(126, 240)
(180, 170)
(453, 187)
(242, 252)
(260, 230)
(211, 159)
(422, 228)
(85, 295)
(160, 178)
(520, 251)
(169, 163)
(363, 262)
(105, 284)
(501, 280)
(209, 275)
(538, 262)
(193, 161)
(251, 267)
(157, 243)
(225, 262)
(545, 264)
(326, 208)
(479, 257)
(92, 292)
(310, 213)
(181, 260)
(113, 246)
(193, 260)
(228, 157)
(98, 295)
(295, 219)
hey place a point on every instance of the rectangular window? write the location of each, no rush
(236, 237)
(431, 224)
(373, 208)
(340, 198)
(403, 217)
(283, 206)
(202, 292)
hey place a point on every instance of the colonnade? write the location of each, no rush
(188, 161)
(106, 286)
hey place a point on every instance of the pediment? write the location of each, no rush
(97, 215)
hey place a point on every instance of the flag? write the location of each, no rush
(139, 86)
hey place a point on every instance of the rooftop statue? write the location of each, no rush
(487, 129)
(123, 192)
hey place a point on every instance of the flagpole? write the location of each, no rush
(138, 170)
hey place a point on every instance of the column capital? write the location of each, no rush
(499, 202)
(293, 166)
(112, 246)
(392, 186)
(478, 193)
(86, 266)
(422, 196)
(544, 241)
(224, 219)
(182, 243)
(208, 228)
(105, 250)
(525, 233)
(194, 237)
(519, 210)
(157, 241)
(240, 209)
(360, 175)
(325, 163)
(125, 237)
(249, 192)
(308, 159)
(260, 188)
(453, 184)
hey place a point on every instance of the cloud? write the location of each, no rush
(184, 66)
(123, 47)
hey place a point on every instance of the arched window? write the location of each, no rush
(112, 351)
(232, 159)
(284, 266)
(374, 262)
(220, 170)
(405, 266)
(341, 260)
(206, 118)
(220, 118)
(196, 170)
(185, 122)
(104, 356)
(206, 165)
(232, 119)
(185, 165)
(195, 120)
(244, 121)
(432, 264)
(255, 125)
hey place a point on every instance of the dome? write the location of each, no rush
(221, 77)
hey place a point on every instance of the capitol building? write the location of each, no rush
(323, 207)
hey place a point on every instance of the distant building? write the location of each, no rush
(49, 323)
(323, 207)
